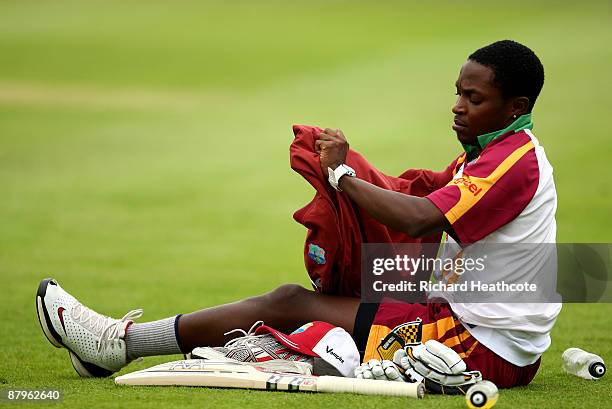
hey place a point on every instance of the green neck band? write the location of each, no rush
(522, 122)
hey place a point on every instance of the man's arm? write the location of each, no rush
(413, 215)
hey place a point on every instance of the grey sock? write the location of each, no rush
(152, 338)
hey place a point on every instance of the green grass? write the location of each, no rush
(144, 157)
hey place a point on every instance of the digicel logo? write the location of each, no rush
(467, 183)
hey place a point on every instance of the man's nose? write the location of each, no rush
(459, 107)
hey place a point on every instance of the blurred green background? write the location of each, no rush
(144, 156)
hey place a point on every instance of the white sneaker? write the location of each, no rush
(95, 342)
(265, 351)
(249, 348)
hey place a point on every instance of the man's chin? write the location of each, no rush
(465, 138)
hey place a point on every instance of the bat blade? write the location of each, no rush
(245, 375)
(218, 374)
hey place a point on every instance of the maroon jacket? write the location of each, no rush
(336, 226)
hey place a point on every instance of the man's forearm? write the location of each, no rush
(413, 215)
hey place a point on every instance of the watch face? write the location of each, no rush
(350, 171)
(335, 175)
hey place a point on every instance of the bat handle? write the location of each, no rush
(370, 387)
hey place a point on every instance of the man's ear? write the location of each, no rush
(520, 106)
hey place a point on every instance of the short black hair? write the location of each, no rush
(517, 71)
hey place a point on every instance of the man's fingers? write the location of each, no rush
(322, 144)
(319, 145)
(332, 135)
(330, 131)
(327, 137)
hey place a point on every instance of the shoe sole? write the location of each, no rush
(43, 315)
(84, 369)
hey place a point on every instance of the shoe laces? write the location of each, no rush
(248, 337)
(109, 330)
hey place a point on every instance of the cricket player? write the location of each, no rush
(501, 191)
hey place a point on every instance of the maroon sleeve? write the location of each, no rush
(425, 181)
(491, 191)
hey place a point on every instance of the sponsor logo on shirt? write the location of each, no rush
(465, 181)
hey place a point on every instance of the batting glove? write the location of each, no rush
(382, 370)
(442, 368)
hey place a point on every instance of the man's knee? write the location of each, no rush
(286, 295)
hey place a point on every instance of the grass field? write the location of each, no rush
(144, 158)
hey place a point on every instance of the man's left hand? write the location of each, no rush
(332, 148)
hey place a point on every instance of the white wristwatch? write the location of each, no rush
(336, 174)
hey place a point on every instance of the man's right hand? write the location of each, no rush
(332, 147)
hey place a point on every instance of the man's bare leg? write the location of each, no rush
(285, 308)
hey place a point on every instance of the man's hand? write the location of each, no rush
(332, 148)
(415, 216)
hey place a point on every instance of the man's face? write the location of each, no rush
(480, 107)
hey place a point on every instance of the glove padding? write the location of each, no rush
(443, 369)
(382, 370)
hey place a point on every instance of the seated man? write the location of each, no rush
(502, 191)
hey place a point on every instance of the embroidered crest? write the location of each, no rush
(408, 333)
(302, 328)
(316, 254)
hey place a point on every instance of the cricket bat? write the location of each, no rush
(248, 375)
